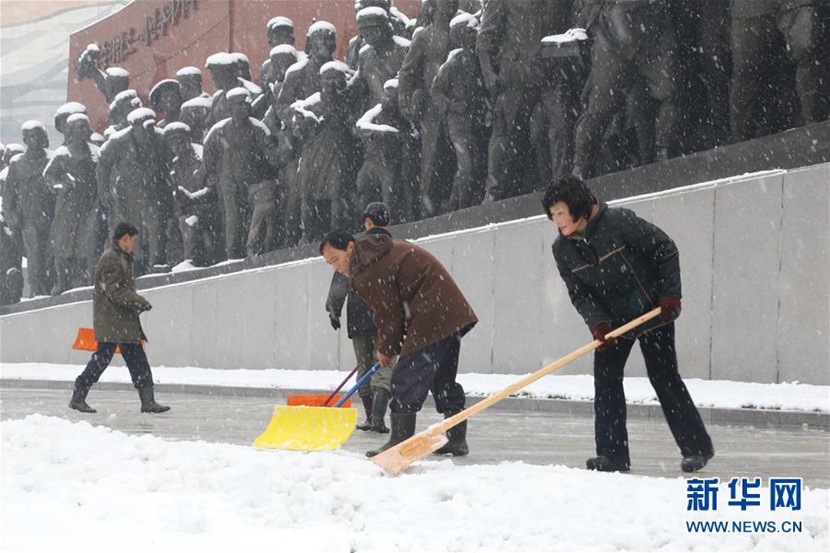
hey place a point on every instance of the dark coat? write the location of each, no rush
(415, 301)
(115, 303)
(358, 315)
(620, 269)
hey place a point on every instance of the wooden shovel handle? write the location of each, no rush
(446, 424)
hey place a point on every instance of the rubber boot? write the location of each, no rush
(78, 401)
(457, 436)
(367, 408)
(403, 428)
(148, 401)
(379, 402)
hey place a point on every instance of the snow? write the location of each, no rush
(71, 107)
(99, 485)
(366, 121)
(320, 27)
(571, 35)
(117, 72)
(371, 13)
(336, 65)
(140, 114)
(723, 394)
(219, 59)
(189, 70)
(77, 117)
(176, 126)
(283, 49)
(280, 21)
(238, 91)
(198, 102)
(465, 19)
(31, 125)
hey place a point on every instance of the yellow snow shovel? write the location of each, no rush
(397, 458)
(306, 428)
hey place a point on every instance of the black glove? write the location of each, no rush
(335, 321)
(599, 331)
(145, 306)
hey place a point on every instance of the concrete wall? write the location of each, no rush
(754, 256)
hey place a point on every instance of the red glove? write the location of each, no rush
(669, 309)
(599, 331)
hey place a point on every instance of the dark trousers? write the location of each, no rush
(660, 356)
(133, 355)
(432, 369)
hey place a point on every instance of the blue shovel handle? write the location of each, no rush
(360, 383)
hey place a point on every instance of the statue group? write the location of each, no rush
(470, 102)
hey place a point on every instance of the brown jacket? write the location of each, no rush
(115, 303)
(414, 299)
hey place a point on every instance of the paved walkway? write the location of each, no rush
(536, 432)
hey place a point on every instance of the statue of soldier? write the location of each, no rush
(166, 98)
(303, 78)
(109, 82)
(381, 57)
(11, 260)
(71, 173)
(459, 91)
(508, 48)
(194, 114)
(427, 53)
(329, 161)
(401, 26)
(280, 32)
(388, 170)
(197, 207)
(29, 205)
(120, 108)
(757, 52)
(288, 204)
(223, 70)
(631, 38)
(241, 161)
(190, 81)
(140, 193)
(64, 112)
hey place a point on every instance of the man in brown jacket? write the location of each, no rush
(421, 316)
(115, 310)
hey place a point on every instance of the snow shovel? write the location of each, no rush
(397, 458)
(304, 428)
(316, 400)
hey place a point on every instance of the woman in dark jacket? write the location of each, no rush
(616, 267)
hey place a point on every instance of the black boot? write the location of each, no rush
(78, 401)
(367, 408)
(403, 428)
(148, 401)
(379, 402)
(694, 463)
(604, 463)
(457, 436)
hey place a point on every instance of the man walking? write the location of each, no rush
(421, 316)
(115, 310)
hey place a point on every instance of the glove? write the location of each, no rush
(669, 309)
(145, 306)
(335, 321)
(599, 331)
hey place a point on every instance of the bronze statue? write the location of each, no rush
(64, 112)
(197, 207)
(140, 193)
(388, 170)
(194, 114)
(381, 57)
(759, 52)
(632, 38)
(330, 159)
(280, 32)
(71, 173)
(190, 81)
(428, 51)
(109, 82)
(459, 91)
(241, 161)
(124, 103)
(166, 98)
(29, 205)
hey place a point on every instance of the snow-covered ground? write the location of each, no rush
(706, 393)
(74, 487)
